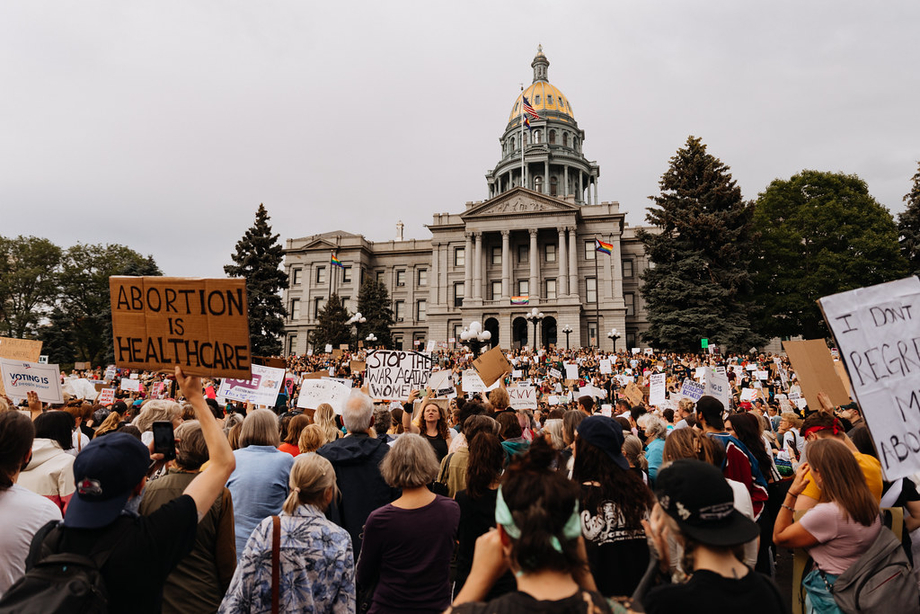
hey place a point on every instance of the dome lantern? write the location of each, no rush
(540, 66)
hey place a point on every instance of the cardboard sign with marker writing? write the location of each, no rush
(19, 349)
(634, 394)
(357, 366)
(492, 365)
(202, 325)
(815, 369)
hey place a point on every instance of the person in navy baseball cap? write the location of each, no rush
(107, 473)
(606, 434)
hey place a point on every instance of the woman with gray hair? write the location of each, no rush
(259, 484)
(409, 542)
(200, 580)
(655, 431)
(157, 410)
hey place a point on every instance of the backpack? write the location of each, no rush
(60, 581)
(879, 581)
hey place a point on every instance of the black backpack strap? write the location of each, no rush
(43, 548)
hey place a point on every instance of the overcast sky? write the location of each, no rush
(163, 125)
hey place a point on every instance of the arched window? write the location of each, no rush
(536, 100)
(549, 99)
(565, 139)
(538, 183)
(552, 137)
(552, 186)
(524, 139)
(575, 143)
(536, 136)
(513, 146)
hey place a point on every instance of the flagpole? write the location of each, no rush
(597, 295)
(522, 136)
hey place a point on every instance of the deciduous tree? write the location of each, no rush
(29, 279)
(820, 233)
(909, 226)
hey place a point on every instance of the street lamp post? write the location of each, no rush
(370, 339)
(356, 320)
(568, 331)
(474, 337)
(614, 335)
(535, 316)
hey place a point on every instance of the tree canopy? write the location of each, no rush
(699, 286)
(29, 279)
(330, 325)
(258, 259)
(909, 226)
(374, 304)
(820, 233)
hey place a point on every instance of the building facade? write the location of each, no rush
(530, 244)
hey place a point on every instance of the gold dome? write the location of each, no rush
(543, 96)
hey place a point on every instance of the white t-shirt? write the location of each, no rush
(22, 513)
(80, 441)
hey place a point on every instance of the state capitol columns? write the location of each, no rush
(477, 265)
(534, 257)
(573, 262)
(563, 286)
(468, 266)
(506, 264)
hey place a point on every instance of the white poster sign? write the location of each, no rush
(471, 382)
(261, 389)
(523, 397)
(130, 385)
(20, 378)
(762, 375)
(876, 330)
(606, 367)
(555, 373)
(106, 396)
(431, 345)
(571, 371)
(314, 392)
(442, 384)
(748, 394)
(657, 393)
(692, 390)
(718, 387)
(394, 374)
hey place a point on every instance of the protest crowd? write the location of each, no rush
(536, 481)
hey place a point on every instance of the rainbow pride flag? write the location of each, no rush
(338, 263)
(604, 248)
(520, 300)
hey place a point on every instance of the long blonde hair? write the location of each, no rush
(324, 416)
(311, 476)
(842, 481)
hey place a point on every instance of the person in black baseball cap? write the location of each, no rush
(696, 507)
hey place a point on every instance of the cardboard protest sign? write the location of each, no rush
(394, 374)
(605, 366)
(430, 346)
(762, 375)
(314, 392)
(815, 369)
(20, 349)
(328, 348)
(634, 394)
(21, 377)
(357, 366)
(201, 325)
(492, 365)
(523, 397)
(555, 373)
(607, 410)
(337, 353)
(876, 330)
(110, 373)
(106, 396)
(593, 391)
(748, 394)
(260, 389)
(842, 374)
(442, 384)
(657, 393)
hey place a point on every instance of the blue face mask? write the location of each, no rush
(134, 504)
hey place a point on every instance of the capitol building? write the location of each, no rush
(530, 244)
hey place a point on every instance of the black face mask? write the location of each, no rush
(641, 432)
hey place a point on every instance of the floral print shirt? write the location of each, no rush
(316, 563)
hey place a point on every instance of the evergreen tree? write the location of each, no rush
(699, 285)
(820, 233)
(909, 226)
(374, 304)
(258, 259)
(330, 325)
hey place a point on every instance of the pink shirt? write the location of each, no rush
(841, 539)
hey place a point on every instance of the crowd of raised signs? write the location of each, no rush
(568, 481)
